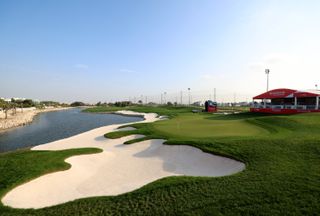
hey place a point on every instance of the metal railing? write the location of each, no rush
(273, 106)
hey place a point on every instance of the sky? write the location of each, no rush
(118, 50)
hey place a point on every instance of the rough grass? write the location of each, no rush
(281, 177)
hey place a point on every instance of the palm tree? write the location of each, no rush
(5, 106)
(14, 107)
(2, 105)
(19, 103)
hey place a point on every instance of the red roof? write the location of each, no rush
(276, 93)
(287, 93)
(307, 93)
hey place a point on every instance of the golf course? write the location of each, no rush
(281, 154)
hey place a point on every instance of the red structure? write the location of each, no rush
(210, 106)
(286, 101)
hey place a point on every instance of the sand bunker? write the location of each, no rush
(118, 169)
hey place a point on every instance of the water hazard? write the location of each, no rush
(51, 126)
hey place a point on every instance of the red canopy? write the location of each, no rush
(287, 93)
(276, 93)
(301, 94)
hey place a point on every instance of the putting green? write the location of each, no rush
(198, 125)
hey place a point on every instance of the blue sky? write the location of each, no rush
(113, 50)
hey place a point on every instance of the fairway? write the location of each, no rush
(199, 125)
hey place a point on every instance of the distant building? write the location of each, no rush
(197, 103)
(286, 101)
(9, 99)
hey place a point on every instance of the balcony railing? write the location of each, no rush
(273, 106)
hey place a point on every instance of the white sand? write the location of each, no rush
(118, 169)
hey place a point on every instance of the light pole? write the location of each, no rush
(189, 96)
(267, 71)
(234, 98)
(165, 98)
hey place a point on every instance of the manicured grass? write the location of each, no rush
(282, 156)
(161, 110)
(198, 126)
(234, 109)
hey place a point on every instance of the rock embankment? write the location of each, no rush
(22, 117)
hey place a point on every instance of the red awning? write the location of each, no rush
(287, 93)
(301, 94)
(276, 93)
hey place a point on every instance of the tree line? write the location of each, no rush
(15, 104)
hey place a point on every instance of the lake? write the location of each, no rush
(50, 126)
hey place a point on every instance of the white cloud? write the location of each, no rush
(268, 61)
(256, 66)
(81, 66)
(276, 58)
(295, 70)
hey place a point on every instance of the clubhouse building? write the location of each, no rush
(286, 101)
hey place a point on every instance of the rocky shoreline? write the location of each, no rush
(23, 117)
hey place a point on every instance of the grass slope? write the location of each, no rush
(24, 165)
(282, 177)
(161, 110)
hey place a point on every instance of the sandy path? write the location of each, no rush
(118, 169)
